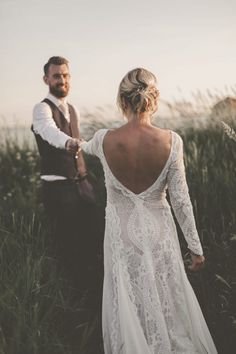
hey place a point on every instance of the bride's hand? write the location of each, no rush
(197, 263)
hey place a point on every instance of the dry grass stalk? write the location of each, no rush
(229, 131)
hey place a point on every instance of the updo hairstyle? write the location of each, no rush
(138, 92)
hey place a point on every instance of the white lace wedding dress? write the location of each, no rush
(149, 306)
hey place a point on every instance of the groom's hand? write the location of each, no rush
(86, 189)
(72, 145)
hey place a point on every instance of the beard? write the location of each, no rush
(59, 90)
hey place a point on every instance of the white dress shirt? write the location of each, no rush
(45, 126)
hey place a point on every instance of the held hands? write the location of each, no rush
(85, 188)
(197, 262)
(72, 145)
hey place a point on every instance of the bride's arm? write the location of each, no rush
(181, 203)
(91, 147)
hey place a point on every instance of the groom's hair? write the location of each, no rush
(54, 61)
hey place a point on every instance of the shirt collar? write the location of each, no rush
(56, 100)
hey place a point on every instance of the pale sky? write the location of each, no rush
(187, 44)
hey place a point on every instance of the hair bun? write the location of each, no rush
(138, 91)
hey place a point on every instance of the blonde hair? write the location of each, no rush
(138, 91)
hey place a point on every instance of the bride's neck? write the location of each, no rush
(139, 119)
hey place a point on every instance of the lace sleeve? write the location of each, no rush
(180, 200)
(93, 146)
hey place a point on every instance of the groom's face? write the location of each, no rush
(58, 80)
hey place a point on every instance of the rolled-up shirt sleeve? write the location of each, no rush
(44, 125)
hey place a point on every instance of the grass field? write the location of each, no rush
(39, 314)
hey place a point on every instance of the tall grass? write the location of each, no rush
(39, 311)
(210, 159)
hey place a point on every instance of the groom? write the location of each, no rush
(56, 129)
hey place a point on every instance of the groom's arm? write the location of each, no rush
(44, 125)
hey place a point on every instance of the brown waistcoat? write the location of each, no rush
(56, 161)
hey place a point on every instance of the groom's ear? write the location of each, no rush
(45, 79)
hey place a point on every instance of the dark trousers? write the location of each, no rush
(77, 235)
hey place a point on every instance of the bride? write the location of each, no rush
(149, 306)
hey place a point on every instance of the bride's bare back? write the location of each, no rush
(136, 155)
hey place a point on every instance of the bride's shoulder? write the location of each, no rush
(100, 133)
(171, 138)
(174, 135)
(177, 143)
